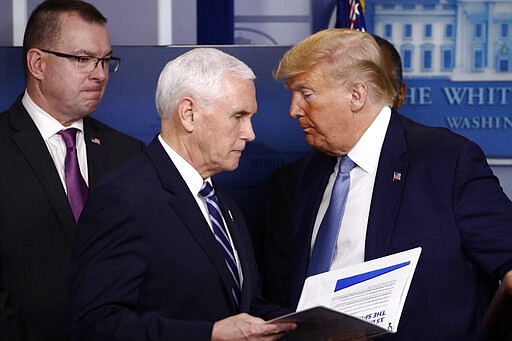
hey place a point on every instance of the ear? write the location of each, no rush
(401, 97)
(186, 110)
(358, 94)
(36, 63)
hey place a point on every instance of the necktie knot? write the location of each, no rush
(346, 165)
(69, 137)
(206, 190)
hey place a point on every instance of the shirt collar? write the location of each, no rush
(366, 151)
(192, 178)
(45, 123)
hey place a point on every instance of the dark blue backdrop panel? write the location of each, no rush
(478, 110)
(215, 22)
(481, 111)
(129, 106)
(12, 78)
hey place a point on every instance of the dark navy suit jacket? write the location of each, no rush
(447, 201)
(37, 226)
(146, 264)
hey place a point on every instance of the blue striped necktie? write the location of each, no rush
(327, 237)
(212, 203)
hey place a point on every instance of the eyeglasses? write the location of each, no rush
(89, 63)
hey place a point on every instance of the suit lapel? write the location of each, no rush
(184, 204)
(309, 196)
(97, 151)
(31, 145)
(389, 183)
(233, 224)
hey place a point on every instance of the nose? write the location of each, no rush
(295, 106)
(100, 72)
(247, 131)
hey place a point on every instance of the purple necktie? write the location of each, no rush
(75, 184)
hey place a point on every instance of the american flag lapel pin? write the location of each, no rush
(397, 176)
(96, 140)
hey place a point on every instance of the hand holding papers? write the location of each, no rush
(359, 301)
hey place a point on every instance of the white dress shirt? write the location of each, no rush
(194, 183)
(349, 248)
(49, 128)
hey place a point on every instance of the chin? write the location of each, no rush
(231, 166)
(91, 104)
(312, 142)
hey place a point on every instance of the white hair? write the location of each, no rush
(199, 73)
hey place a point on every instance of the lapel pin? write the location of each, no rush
(231, 216)
(397, 176)
(96, 140)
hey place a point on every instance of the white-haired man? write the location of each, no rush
(157, 257)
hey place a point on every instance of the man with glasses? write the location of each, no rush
(51, 153)
(89, 63)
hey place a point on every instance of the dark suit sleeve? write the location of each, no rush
(109, 265)
(14, 325)
(484, 213)
(279, 232)
(259, 306)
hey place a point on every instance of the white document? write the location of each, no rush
(373, 291)
(354, 303)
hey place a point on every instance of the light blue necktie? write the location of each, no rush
(325, 243)
(222, 238)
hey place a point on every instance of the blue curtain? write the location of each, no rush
(215, 22)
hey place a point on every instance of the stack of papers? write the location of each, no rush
(355, 302)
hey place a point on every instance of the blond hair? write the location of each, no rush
(348, 55)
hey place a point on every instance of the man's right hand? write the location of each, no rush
(246, 327)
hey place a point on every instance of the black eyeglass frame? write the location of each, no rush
(79, 58)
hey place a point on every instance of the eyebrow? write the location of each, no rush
(298, 86)
(90, 54)
(245, 113)
(294, 85)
